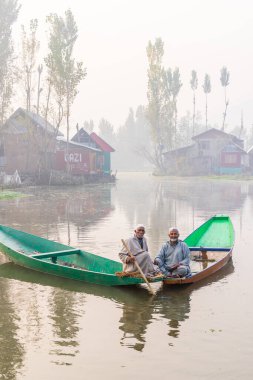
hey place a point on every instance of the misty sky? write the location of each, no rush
(113, 35)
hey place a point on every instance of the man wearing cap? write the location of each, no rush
(139, 248)
(174, 256)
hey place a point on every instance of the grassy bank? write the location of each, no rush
(10, 194)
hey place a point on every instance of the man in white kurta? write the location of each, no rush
(139, 248)
(174, 256)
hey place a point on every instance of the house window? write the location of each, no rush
(204, 144)
(230, 159)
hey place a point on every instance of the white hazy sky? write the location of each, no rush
(198, 34)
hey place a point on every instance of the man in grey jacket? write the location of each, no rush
(174, 256)
(139, 248)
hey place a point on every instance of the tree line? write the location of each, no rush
(162, 130)
(50, 84)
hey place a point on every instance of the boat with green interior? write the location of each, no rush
(211, 247)
(54, 258)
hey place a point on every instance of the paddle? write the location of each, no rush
(138, 266)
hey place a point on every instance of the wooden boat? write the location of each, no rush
(211, 248)
(53, 258)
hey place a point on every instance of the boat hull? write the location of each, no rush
(36, 253)
(214, 242)
(200, 275)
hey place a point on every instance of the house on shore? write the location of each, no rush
(103, 157)
(79, 159)
(32, 146)
(27, 143)
(212, 152)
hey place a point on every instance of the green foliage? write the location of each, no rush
(224, 76)
(10, 194)
(30, 47)
(207, 89)
(65, 72)
(194, 80)
(163, 89)
(194, 86)
(207, 84)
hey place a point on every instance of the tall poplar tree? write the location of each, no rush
(30, 47)
(224, 78)
(66, 73)
(207, 89)
(163, 88)
(175, 88)
(194, 86)
(9, 10)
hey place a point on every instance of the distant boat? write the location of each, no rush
(53, 258)
(211, 248)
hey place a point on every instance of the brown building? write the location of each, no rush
(213, 152)
(81, 159)
(104, 150)
(27, 143)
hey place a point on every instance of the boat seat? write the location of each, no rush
(56, 254)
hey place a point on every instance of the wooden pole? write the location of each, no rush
(138, 266)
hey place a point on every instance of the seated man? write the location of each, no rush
(139, 248)
(174, 257)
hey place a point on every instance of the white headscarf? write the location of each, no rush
(139, 226)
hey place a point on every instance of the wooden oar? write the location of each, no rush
(138, 266)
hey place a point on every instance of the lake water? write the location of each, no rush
(52, 328)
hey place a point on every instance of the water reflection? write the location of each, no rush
(185, 203)
(11, 349)
(57, 314)
(64, 314)
(138, 308)
(58, 214)
(137, 311)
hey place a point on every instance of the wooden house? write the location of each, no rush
(103, 157)
(213, 152)
(79, 159)
(106, 152)
(27, 143)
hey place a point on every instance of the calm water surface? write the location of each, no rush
(52, 328)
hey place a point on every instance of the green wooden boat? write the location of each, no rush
(211, 248)
(50, 257)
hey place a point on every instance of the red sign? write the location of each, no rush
(78, 161)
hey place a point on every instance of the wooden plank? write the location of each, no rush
(56, 254)
(209, 249)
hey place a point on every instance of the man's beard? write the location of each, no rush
(173, 240)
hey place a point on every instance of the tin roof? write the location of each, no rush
(63, 139)
(101, 143)
(213, 133)
(14, 126)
